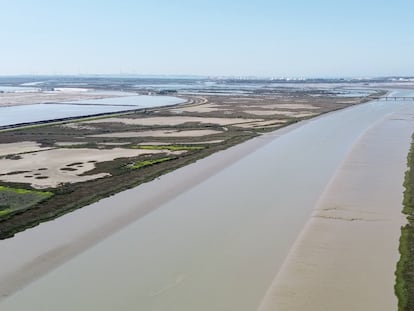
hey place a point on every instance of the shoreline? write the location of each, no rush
(338, 260)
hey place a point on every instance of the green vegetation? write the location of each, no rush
(404, 287)
(169, 147)
(145, 163)
(26, 191)
(4, 212)
(15, 199)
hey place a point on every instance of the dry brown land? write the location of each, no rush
(85, 160)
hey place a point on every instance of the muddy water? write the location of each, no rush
(216, 246)
(345, 257)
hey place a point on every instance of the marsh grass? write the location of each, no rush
(169, 147)
(16, 199)
(404, 287)
(145, 163)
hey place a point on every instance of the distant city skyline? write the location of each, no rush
(260, 38)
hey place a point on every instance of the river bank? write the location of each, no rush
(404, 274)
(345, 258)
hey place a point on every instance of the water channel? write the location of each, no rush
(51, 111)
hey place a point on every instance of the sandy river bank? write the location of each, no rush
(345, 258)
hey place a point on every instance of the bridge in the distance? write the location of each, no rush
(395, 98)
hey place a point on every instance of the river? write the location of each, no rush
(214, 247)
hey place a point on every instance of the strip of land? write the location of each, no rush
(345, 258)
(404, 274)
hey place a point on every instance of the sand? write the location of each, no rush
(160, 133)
(174, 121)
(346, 256)
(261, 124)
(59, 164)
(22, 147)
(289, 106)
(78, 126)
(295, 114)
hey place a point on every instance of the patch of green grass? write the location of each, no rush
(5, 212)
(145, 163)
(169, 147)
(26, 191)
(404, 287)
(15, 199)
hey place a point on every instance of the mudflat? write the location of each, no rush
(345, 258)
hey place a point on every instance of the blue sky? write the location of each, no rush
(261, 37)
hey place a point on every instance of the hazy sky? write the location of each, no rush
(211, 37)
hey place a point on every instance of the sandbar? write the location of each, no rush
(345, 257)
(63, 165)
(160, 133)
(173, 121)
(20, 147)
